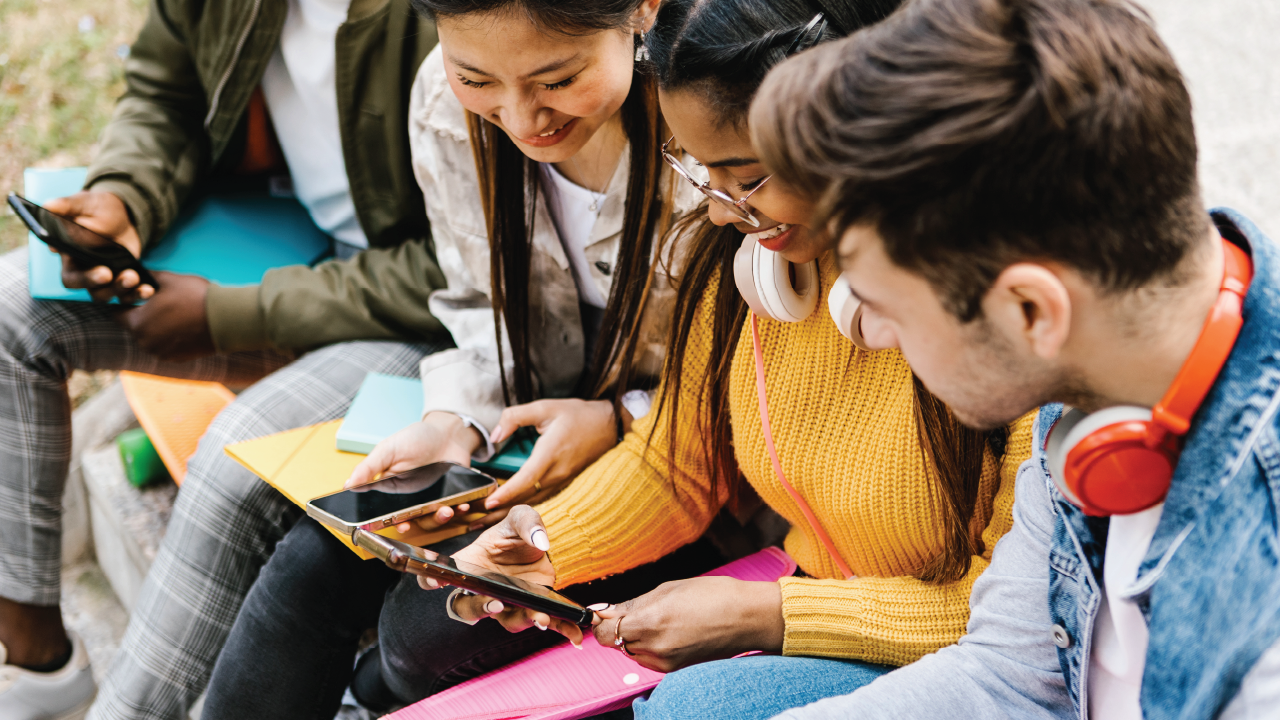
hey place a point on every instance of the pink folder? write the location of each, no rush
(562, 683)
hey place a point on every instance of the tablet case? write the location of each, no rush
(562, 683)
(231, 239)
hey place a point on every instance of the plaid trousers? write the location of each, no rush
(41, 342)
(225, 521)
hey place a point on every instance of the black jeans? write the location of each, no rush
(292, 648)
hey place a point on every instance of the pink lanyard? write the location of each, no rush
(777, 464)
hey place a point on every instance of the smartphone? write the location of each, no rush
(397, 498)
(510, 590)
(86, 248)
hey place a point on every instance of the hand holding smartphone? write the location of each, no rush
(510, 590)
(86, 248)
(401, 497)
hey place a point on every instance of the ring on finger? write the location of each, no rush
(537, 485)
(617, 638)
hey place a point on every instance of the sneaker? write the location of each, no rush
(64, 694)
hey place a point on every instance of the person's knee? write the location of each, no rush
(693, 692)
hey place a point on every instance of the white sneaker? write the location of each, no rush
(64, 694)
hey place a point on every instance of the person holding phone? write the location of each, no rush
(535, 137)
(895, 506)
(913, 510)
(216, 93)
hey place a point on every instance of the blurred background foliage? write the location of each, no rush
(61, 72)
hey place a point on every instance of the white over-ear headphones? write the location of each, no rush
(780, 290)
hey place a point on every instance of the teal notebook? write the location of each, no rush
(230, 239)
(386, 404)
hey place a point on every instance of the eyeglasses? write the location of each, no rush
(736, 207)
(807, 38)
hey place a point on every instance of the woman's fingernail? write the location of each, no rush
(576, 644)
(475, 526)
(539, 625)
(539, 539)
(599, 606)
(497, 434)
(493, 607)
(433, 583)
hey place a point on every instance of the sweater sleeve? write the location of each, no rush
(897, 620)
(637, 503)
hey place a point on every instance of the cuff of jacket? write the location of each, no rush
(136, 202)
(236, 320)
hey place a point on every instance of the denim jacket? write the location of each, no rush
(1209, 585)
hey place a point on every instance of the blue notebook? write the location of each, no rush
(230, 239)
(386, 404)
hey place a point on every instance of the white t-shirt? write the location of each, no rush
(1120, 637)
(574, 210)
(301, 94)
(1120, 632)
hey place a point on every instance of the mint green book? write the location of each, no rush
(386, 404)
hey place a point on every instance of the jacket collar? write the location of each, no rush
(1242, 402)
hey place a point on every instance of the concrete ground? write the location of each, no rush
(1227, 51)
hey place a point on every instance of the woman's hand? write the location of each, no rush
(573, 434)
(518, 547)
(438, 436)
(105, 214)
(690, 621)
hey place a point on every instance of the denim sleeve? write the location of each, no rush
(1007, 665)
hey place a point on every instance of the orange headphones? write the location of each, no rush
(1121, 460)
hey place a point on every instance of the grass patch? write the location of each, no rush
(61, 71)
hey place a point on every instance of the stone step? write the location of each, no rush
(128, 523)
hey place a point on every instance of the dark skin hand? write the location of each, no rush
(105, 214)
(685, 622)
(172, 324)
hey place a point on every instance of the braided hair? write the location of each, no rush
(724, 48)
(721, 50)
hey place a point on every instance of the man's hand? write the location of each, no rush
(173, 324)
(105, 214)
(690, 621)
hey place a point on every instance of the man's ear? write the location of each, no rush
(1030, 305)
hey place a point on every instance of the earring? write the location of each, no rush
(642, 52)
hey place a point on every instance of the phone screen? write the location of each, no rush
(419, 486)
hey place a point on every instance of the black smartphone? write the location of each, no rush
(510, 590)
(404, 496)
(86, 248)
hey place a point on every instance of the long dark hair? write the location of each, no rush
(509, 184)
(722, 50)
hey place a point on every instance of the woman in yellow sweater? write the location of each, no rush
(906, 505)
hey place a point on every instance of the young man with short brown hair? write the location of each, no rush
(1012, 184)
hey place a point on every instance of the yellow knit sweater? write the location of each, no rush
(845, 430)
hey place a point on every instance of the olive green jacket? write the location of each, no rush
(189, 79)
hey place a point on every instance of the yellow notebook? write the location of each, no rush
(305, 464)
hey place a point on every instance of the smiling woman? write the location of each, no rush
(561, 88)
(535, 141)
